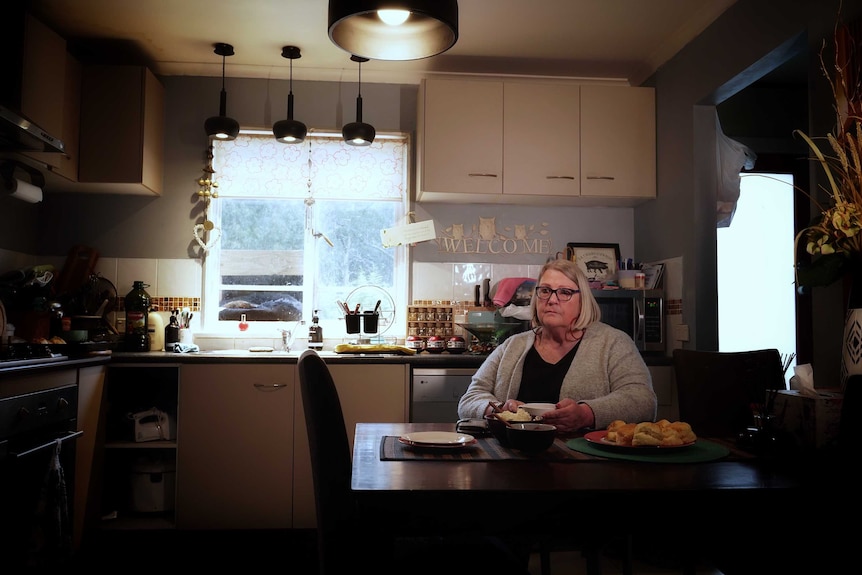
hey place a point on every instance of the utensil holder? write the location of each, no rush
(369, 322)
(352, 322)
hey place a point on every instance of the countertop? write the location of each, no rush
(419, 360)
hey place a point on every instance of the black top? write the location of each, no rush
(541, 381)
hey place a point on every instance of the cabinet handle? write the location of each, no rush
(269, 386)
(600, 178)
(559, 177)
(482, 175)
(69, 435)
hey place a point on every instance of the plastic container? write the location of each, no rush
(153, 482)
(156, 329)
(137, 315)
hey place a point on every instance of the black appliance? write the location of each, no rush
(639, 313)
(37, 462)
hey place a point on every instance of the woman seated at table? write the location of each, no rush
(592, 371)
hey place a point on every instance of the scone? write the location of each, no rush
(647, 433)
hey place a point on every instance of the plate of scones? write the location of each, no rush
(644, 436)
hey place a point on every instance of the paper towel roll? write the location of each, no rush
(23, 191)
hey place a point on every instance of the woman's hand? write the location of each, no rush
(570, 416)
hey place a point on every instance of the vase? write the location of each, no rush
(851, 351)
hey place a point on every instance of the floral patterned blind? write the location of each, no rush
(255, 165)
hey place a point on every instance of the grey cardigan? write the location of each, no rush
(608, 374)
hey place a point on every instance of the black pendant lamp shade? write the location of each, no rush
(358, 27)
(222, 127)
(358, 133)
(290, 131)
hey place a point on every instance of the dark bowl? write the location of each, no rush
(531, 437)
(497, 428)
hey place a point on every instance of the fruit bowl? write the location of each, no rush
(490, 335)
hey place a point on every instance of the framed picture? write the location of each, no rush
(599, 261)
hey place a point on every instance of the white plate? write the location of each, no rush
(437, 439)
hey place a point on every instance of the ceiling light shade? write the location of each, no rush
(222, 127)
(357, 27)
(290, 131)
(358, 133)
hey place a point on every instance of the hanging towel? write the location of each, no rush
(51, 540)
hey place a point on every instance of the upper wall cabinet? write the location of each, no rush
(122, 130)
(618, 142)
(535, 142)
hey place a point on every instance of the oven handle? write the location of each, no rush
(52, 443)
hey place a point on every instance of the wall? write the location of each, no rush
(743, 44)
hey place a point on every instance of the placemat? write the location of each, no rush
(702, 450)
(485, 449)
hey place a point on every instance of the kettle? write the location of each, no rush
(152, 425)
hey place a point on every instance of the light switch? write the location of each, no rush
(680, 332)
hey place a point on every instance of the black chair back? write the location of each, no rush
(716, 390)
(330, 465)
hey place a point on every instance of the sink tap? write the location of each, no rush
(287, 336)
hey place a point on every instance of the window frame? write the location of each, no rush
(332, 329)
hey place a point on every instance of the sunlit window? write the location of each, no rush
(300, 230)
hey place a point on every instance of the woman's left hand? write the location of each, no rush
(569, 416)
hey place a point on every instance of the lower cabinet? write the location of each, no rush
(235, 454)
(368, 393)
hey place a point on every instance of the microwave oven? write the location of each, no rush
(639, 313)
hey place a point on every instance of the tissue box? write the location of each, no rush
(812, 421)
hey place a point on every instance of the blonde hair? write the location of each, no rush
(590, 311)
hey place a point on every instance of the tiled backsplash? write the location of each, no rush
(176, 283)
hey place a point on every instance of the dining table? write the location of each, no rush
(723, 497)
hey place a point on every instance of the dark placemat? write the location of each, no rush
(702, 450)
(485, 449)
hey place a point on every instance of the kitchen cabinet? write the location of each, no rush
(236, 443)
(122, 130)
(91, 386)
(66, 164)
(367, 392)
(535, 142)
(132, 388)
(461, 137)
(540, 139)
(43, 76)
(618, 156)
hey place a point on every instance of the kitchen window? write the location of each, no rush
(300, 229)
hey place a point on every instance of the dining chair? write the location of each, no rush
(717, 391)
(346, 542)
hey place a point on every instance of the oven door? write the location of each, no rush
(36, 489)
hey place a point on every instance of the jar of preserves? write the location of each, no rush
(456, 344)
(415, 342)
(435, 344)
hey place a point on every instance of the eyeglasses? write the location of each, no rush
(563, 294)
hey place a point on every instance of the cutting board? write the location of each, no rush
(80, 263)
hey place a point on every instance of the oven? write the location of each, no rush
(38, 432)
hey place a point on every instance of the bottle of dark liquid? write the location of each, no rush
(137, 315)
(172, 333)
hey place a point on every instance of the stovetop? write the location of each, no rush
(14, 355)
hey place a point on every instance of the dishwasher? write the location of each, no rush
(434, 393)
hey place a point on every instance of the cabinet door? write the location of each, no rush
(122, 129)
(618, 142)
(461, 142)
(541, 139)
(235, 447)
(368, 393)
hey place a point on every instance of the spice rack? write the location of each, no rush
(434, 317)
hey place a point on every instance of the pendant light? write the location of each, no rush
(358, 133)
(393, 29)
(290, 131)
(222, 127)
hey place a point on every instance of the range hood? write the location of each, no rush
(19, 134)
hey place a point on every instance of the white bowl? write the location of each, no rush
(538, 409)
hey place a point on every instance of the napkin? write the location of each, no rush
(803, 380)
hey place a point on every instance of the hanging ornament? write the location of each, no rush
(208, 190)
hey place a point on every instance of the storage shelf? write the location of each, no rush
(141, 445)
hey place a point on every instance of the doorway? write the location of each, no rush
(756, 290)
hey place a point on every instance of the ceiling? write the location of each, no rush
(620, 39)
